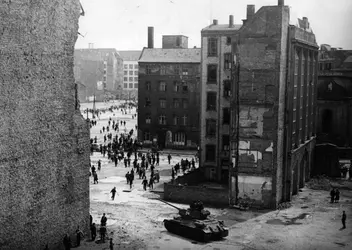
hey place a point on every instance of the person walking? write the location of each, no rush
(113, 191)
(103, 220)
(332, 195)
(95, 177)
(343, 219)
(111, 244)
(145, 183)
(93, 231)
(337, 195)
(151, 183)
(169, 158)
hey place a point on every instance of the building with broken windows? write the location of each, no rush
(273, 100)
(168, 94)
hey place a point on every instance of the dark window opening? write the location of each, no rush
(212, 73)
(226, 116)
(211, 101)
(227, 61)
(327, 121)
(210, 151)
(228, 40)
(212, 46)
(147, 102)
(226, 142)
(148, 86)
(227, 88)
(210, 127)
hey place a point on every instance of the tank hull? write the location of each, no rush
(192, 229)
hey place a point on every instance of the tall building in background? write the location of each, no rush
(334, 122)
(100, 71)
(130, 73)
(273, 99)
(216, 91)
(168, 94)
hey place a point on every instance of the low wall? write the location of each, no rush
(188, 194)
(192, 178)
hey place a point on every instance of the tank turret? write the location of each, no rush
(194, 223)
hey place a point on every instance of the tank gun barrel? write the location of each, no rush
(179, 209)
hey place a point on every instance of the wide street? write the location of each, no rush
(135, 217)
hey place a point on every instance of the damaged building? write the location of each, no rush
(44, 154)
(273, 100)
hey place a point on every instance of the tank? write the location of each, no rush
(195, 223)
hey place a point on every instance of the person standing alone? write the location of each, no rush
(343, 219)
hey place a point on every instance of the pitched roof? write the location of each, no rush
(171, 55)
(222, 27)
(130, 55)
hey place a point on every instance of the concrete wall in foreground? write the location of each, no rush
(44, 150)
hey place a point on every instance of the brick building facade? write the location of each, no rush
(272, 128)
(44, 154)
(169, 97)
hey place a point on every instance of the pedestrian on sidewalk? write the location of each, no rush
(343, 219)
(113, 191)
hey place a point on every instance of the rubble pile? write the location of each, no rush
(319, 183)
(284, 205)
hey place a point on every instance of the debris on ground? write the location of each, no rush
(284, 205)
(319, 183)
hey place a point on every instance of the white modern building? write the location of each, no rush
(130, 73)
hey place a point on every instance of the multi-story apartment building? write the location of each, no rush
(100, 71)
(216, 68)
(168, 94)
(272, 81)
(334, 122)
(130, 73)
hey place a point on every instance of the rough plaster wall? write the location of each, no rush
(44, 154)
(262, 70)
(255, 188)
(279, 165)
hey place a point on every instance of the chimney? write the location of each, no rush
(231, 21)
(150, 37)
(306, 23)
(250, 11)
(281, 2)
(90, 45)
(215, 22)
(194, 47)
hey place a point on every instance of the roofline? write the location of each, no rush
(167, 62)
(176, 35)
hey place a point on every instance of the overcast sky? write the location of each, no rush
(122, 24)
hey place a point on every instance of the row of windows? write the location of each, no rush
(213, 45)
(130, 66)
(163, 103)
(162, 120)
(131, 73)
(131, 79)
(178, 87)
(130, 85)
(169, 70)
(177, 137)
